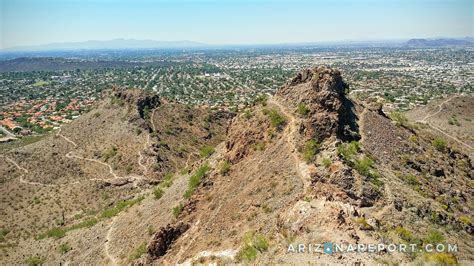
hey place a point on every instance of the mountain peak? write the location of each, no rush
(318, 94)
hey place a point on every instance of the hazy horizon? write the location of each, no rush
(41, 22)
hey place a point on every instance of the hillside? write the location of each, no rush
(143, 181)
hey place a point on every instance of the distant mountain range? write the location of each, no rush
(468, 41)
(119, 44)
(110, 44)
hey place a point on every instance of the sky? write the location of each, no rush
(35, 22)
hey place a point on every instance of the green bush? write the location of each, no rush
(327, 162)
(348, 150)
(276, 119)
(158, 193)
(440, 258)
(206, 151)
(254, 243)
(64, 248)
(439, 143)
(403, 233)
(363, 165)
(111, 212)
(224, 167)
(399, 118)
(310, 150)
(56, 232)
(412, 180)
(177, 210)
(434, 237)
(195, 180)
(302, 109)
(138, 252)
(3, 233)
(35, 261)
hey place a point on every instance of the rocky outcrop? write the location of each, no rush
(162, 240)
(141, 102)
(321, 91)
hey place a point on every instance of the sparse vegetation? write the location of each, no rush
(35, 261)
(64, 248)
(439, 143)
(177, 210)
(206, 151)
(276, 119)
(254, 243)
(399, 118)
(158, 193)
(362, 222)
(261, 99)
(259, 146)
(454, 121)
(327, 162)
(302, 109)
(348, 150)
(224, 167)
(465, 220)
(3, 234)
(310, 150)
(111, 212)
(195, 180)
(138, 252)
(440, 258)
(412, 180)
(434, 237)
(109, 153)
(404, 233)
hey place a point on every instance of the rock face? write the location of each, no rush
(321, 91)
(139, 99)
(162, 240)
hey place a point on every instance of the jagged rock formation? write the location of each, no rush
(322, 91)
(162, 240)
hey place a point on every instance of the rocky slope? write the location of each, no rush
(307, 165)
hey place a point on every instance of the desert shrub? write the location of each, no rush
(177, 210)
(84, 224)
(404, 233)
(206, 151)
(348, 150)
(96, 114)
(254, 243)
(465, 220)
(363, 165)
(399, 118)
(195, 180)
(56, 232)
(64, 248)
(224, 167)
(434, 237)
(454, 121)
(109, 153)
(35, 261)
(261, 99)
(167, 180)
(247, 114)
(158, 193)
(3, 233)
(362, 222)
(138, 252)
(327, 162)
(111, 212)
(310, 150)
(440, 258)
(439, 143)
(259, 146)
(302, 109)
(276, 119)
(412, 180)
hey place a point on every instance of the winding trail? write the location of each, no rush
(440, 109)
(108, 238)
(291, 131)
(25, 172)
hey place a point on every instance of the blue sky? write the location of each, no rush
(33, 22)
